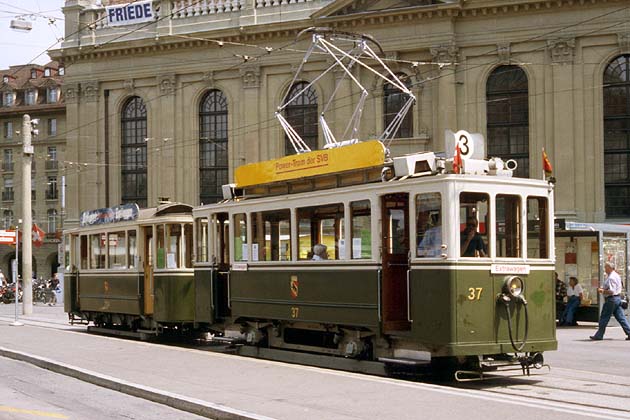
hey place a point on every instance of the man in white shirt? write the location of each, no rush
(575, 293)
(611, 291)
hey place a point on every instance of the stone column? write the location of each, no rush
(244, 146)
(445, 101)
(164, 141)
(565, 147)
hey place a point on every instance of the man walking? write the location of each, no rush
(611, 291)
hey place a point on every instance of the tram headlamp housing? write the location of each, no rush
(513, 286)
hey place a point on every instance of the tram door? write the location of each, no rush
(395, 253)
(221, 280)
(148, 270)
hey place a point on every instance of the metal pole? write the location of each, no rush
(27, 252)
(14, 267)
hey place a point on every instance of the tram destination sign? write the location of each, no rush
(509, 269)
(123, 213)
(318, 162)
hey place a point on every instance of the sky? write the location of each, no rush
(18, 47)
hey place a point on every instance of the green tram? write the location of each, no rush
(381, 263)
(338, 265)
(131, 269)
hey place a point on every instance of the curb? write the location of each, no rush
(179, 402)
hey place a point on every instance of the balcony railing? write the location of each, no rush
(52, 165)
(190, 16)
(7, 166)
(7, 195)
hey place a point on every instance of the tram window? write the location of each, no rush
(271, 231)
(240, 238)
(117, 250)
(473, 216)
(508, 226)
(188, 241)
(429, 225)
(321, 225)
(84, 252)
(537, 244)
(174, 245)
(201, 225)
(97, 250)
(132, 249)
(160, 250)
(361, 229)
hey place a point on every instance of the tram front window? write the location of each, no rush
(537, 226)
(473, 216)
(508, 226)
(202, 239)
(429, 225)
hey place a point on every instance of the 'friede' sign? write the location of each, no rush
(129, 14)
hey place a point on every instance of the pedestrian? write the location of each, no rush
(575, 293)
(610, 290)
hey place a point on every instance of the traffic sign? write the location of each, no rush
(7, 237)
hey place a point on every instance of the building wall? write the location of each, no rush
(448, 50)
(43, 166)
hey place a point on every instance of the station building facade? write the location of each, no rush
(170, 107)
(34, 90)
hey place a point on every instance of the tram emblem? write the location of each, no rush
(295, 284)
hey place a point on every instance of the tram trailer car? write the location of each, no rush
(395, 278)
(132, 271)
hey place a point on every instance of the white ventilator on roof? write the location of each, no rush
(347, 51)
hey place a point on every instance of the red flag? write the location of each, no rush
(38, 236)
(546, 164)
(457, 159)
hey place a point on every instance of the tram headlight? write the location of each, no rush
(513, 286)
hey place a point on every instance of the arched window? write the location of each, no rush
(52, 221)
(508, 116)
(302, 115)
(7, 219)
(393, 101)
(617, 137)
(134, 152)
(213, 146)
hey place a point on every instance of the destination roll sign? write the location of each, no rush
(130, 13)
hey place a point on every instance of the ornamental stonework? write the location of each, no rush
(129, 85)
(562, 50)
(89, 91)
(70, 92)
(445, 55)
(251, 77)
(166, 82)
(624, 41)
(208, 78)
(503, 53)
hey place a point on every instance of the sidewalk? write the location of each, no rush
(224, 386)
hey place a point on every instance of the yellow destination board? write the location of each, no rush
(319, 162)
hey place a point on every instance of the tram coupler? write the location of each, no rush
(529, 360)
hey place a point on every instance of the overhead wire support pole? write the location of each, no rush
(27, 216)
